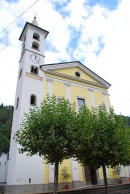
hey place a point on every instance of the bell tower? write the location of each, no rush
(29, 93)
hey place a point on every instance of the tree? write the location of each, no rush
(103, 139)
(126, 119)
(49, 131)
(6, 114)
(4, 142)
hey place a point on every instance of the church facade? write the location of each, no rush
(71, 80)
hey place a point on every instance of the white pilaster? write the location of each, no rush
(51, 173)
(75, 171)
(107, 172)
(68, 91)
(127, 171)
(50, 86)
(121, 171)
(105, 95)
(91, 97)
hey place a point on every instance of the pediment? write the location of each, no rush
(75, 70)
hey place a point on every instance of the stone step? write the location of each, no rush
(113, 189)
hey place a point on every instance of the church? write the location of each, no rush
(71, 80)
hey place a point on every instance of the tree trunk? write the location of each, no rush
(105, 179)
(56, 169)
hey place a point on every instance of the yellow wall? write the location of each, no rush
(59, 89)
(78, 88)
(68, 164)
(112, 173)
(46, 173)
(77, 91)
(100, 173)
(98, 98)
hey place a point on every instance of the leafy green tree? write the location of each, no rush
(6, 114)
(103, 139)
(49, 131)
(125, 118)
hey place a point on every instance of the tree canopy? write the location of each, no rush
(104, 135)
(103, 139)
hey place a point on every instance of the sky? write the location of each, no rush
(94, 32)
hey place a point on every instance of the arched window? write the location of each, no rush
(36, 36)
(34, 69)
(35, 45)
(33, 100)
(17, 103)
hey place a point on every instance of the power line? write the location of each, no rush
(18, 17)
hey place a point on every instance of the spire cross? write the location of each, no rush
(35, 15)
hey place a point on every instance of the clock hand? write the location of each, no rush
(38, 59)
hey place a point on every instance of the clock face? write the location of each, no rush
(35, 58)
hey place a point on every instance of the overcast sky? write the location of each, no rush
(95, 32)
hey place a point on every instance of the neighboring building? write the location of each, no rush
(71, 80)
(3, 168)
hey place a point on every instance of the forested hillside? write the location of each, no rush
(6, 114)
(127, 119)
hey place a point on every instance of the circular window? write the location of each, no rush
(77, 74)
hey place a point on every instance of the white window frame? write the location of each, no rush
(80, 97)
(99, 106)
(58, 99)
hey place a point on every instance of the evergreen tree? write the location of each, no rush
(6, 114)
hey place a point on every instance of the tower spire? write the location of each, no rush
(34, 22)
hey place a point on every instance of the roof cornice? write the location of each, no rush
(34, 26)
(74, 78)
